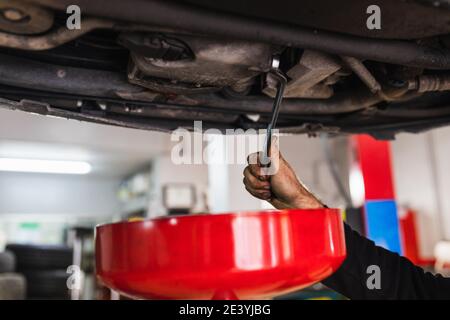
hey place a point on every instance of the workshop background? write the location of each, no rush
(47, 220)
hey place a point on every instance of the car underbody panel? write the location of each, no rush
(159, 65)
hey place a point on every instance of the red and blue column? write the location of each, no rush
(380, 209)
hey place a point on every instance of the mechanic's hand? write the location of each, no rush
(283, 189)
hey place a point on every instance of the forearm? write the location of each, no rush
(302, 199)
(399, 278)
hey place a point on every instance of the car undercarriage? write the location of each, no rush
(160, 65)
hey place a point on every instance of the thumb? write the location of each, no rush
(274, 155)
(274, 148)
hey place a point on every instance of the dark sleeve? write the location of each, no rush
(400, 278)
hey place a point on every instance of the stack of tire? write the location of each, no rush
(12, 285)
(45, 269)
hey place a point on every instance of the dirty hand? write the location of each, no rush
(283, 189)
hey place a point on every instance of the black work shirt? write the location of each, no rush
(399, 277)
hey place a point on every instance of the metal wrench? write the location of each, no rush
(282, 80)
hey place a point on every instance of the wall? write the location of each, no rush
(48, 204)
(306, 156)
(165, 171)
(22, 193)
(421, 165)
(441, 147)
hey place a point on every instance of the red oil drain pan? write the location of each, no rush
(241, 255)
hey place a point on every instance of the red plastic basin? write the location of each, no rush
(234, 255)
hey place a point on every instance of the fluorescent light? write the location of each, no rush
(44, 166)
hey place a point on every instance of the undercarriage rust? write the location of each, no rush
(214, 64)
(162, 64)
(52, 39)
(24, 18)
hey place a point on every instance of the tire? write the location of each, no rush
(32, 257)
(7, 262)
(12, 286)
(47, 284)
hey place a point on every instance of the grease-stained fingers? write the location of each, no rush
(249, 186)
(257, 171)
(253, 181)
(260, 194)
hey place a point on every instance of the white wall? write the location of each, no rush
(22, 193)
(307, 158)
(165, 171)
(226, 188)
(422, 182)
(441, 146)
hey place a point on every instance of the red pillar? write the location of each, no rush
(380, 209)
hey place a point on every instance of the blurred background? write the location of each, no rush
(109, 174)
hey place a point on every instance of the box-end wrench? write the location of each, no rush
(282, 80)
